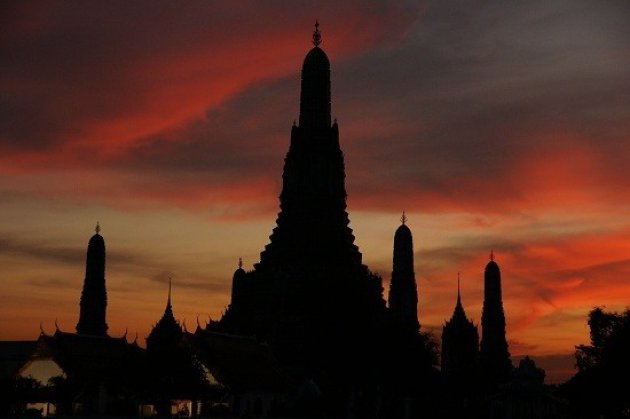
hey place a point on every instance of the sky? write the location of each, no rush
(494, 125)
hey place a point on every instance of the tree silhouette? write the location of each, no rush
(601, 388)
(15, 393)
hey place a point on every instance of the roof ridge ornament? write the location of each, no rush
(403, 219)
(317, 36)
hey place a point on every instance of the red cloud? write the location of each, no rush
(92, 80)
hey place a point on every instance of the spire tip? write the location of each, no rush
(97, 229)
(170, 280)
(317, 37)
(403, 219)
(492, 255)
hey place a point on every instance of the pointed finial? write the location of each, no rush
(135, 339)
(240, 263)
(317, 37)
(458, 293)
(492, 255)
(125, 335)
(403, 219)
(57, 326)
(168, 302)
(97, 229)
(41, 329)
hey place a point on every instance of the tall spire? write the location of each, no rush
(494, 355)
(403, 291)
(459, 312)
(312, 227)
(93, 303)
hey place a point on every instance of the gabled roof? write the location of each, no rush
(240, 363)
(14, 354)
(100, 358)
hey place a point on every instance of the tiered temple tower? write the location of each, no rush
(94, 296)
(310, 296)
(403, 291)
(460, 345)
(494, 356)
(312, 227)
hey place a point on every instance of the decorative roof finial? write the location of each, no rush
(403, 219)
(97, 229)
(168, 303)
(240, 263)
(492, 255)
(41, 329)
(57, 326)
(458, 293)
(317, 37)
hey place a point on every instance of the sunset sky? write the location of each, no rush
(493, 125)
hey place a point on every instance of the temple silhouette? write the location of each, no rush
(94, 296)
(310, 297)
(316, 316)
(307, 331)
(493, 355)
(460, 347)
